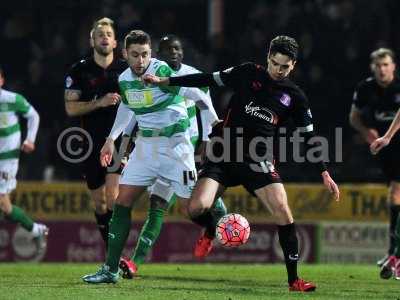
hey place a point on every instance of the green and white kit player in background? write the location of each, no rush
(13, 106)
(163, 154)
(170, 50)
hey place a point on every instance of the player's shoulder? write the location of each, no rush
(126, 75)
(249, 67)
(366, 83)
(244, 70)
(80, 65)
(121, 64)
(155, 63)
(187, 69)
(9, 96)
(160, 68)
(295, 90)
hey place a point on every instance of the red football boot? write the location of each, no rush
(203, 246)
(302, 286)
(388, 268)
(128, 267)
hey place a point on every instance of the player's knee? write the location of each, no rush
(123, 200)
(111, 195)
(5, 206)
(282, 214)
(156, 202)
(100, 205)
(196, 208)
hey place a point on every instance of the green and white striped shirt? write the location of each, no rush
(158, 110)
(12, 106)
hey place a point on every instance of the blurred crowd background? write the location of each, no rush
(41, 39)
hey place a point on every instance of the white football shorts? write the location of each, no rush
(170, 160)
(8, 173)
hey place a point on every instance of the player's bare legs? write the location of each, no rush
(203, 196)
(202, 199)
(111, 189)
(5, 204)
(104, 198)
(99, 198)
(100, 211)
(274, 197)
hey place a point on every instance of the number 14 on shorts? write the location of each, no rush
(189, 176)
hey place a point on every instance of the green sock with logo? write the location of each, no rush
(18, 215)
(120, 226)
(217, 211)
(150, 231)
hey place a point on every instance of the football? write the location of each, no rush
(233, 230)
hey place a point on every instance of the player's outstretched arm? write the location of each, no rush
(192, 80)
(381, 142)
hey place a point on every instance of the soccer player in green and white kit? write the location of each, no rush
(13, 106)
(163, 155)
(170, 50)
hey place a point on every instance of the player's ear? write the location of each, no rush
(115, 43)
(125, 54)
(91, 41)
(372, 67)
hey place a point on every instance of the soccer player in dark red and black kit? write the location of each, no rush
(262, 100)
(91, 92)
(375, 103)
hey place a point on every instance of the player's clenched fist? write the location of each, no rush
(153, 79)
(106, 153)
(109, 99)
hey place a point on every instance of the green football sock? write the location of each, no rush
(120, 226)
(397, 238)
(148, 235)
(18, 215)
(172, 201)
(219, 209)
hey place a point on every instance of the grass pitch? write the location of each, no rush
(194, 282)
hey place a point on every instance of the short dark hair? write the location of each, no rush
(102, 22)
(137, 37)
(381, 53)
(169, 38)
(285, 45)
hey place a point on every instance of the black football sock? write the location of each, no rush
(393, 214)
(290, 247)
(103, 222)
(208, 221)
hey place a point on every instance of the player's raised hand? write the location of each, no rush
(153, 79)
(109, 99)
(378, 144)
(331, 185)
(106, 153)
(27, 146)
